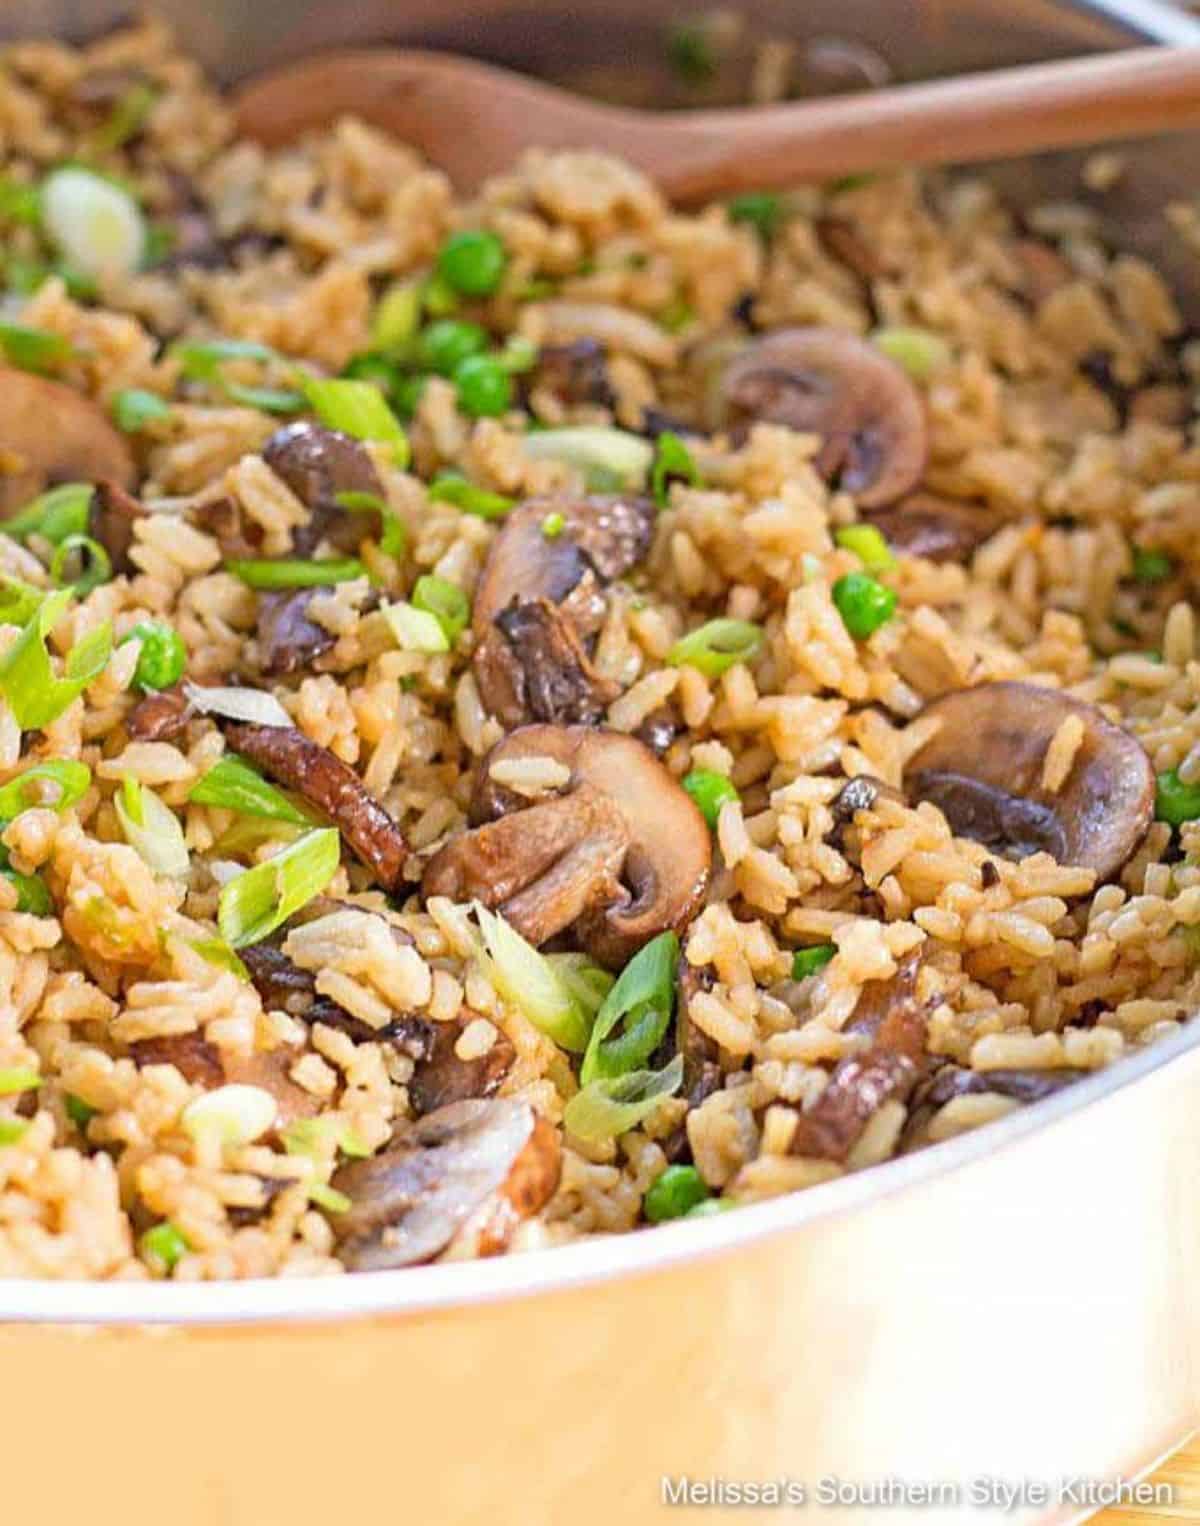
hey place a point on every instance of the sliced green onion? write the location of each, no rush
(415, 630)
(27, 681)
(55, 785)
(17, 1079)
(216, 951)
(258, 706)
(710, 791)
(234, 1115)
(31, 349)
(691, 52)
(553, 525)
(518, 355)
(761, 209)
(917, 351)
(392, 535)
(308, 1136)
(233, 785)
(591, 447)
(329, 1198)
(261, 899)
(95, 224)
(445, 601)
(78, 1111)
(807, 961)
(448, 487)
(266, 399)
(672, 462)
(33, 896)
(282, 572)
(127, 118)
(152, 829)
(20, 203)
(584, 981)
(438, 297)
(18, 601)
(12, 1130)
(133, 408)
(717, 646)
(640, 1005)
(249, 833)
(358, 409)
(202, 359)
(527, 980)
(55, 514)
(397, 317)
(96, 568)
(868, 545)
(616, 1104)
(164, 1246)
(674, 1194)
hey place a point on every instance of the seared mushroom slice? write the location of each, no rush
(984, 767)
(1022, 1085)
(622, 854)
(298, 763)
(466, 1174)
(939, 529)
(50, 433)
(443, 1077)
(111, 518)
(203, 1064)
(563, 577)
(160, 716)
(575, 373)
(889, 1012)
(318, 464)
(288, 641)
(822, 381)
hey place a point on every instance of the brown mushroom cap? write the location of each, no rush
(623, 854)
(541, 598)
(318, 464)
(471, 1169)
(983, 770)
(50, 433)
(939, 529)
(869, 416)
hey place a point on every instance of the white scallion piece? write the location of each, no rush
(254, 705)
(233, 1115)
(96, 225)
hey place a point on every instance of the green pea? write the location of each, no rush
(710, 791)
(863, 603)
(407, 396)
(79, 1112)
(676, 1192)
(164, 1245)
(163, 656)
(1174, 801)
(1151, 566)
(807, 961)
(373, 367)
(484, 387)
(473, 262)
(445, 344)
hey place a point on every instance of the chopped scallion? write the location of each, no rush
(18, 1078)
(133, 408)
(626, 457)
(715, 647)
(868, 545)
(31, 349)
(55, 514)
(152, 829)
(358, 409)
(615, 1104)
(55, 785)
(639, 1005)
(447, 487)
(95, 563)
(96, 224)
(284, 572)
(217, 952)
(232, 785)
(236, 1114)
(35, 695)
(445, 601)
(163, 1246)
(12, 1130)
(415, 630)
(672, 463)
(528, 980)
(261, 899)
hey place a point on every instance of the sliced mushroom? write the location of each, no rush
(285, 987)
(845, 243)
(160, 716)
(203, 1064)
(1022, 1085)
(111, 518)
(939, 529)
(288, 641)
(575, 373)
(1043, 269)
(318, 464)
(223, 519)
(622, 854)
(983, 770)
(890, 1014)
(869, 416)
(298, 763)
(466, 1173)
(50, 433)
(443, 1077)
(702, 1074)
(541, 601)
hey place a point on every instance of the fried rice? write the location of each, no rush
(385, 1076)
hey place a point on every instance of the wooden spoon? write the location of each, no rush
(473, 119)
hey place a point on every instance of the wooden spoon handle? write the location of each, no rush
(998, 115)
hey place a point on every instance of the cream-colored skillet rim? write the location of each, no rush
(320, 1299)
(272, 1300)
